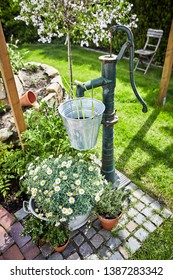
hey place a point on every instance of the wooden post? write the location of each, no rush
(10, 85)
(167, 68)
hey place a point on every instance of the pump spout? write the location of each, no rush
(129, 44)
(82, 87)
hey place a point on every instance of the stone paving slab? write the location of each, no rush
(92, 242)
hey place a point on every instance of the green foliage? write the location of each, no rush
(112, 201)
(16, 57)
(6, 171)
(3, 107)
(8, 11)
(42, 230)
(34, 227)
(45, 133)
(57, 236)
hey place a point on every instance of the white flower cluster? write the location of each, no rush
(64, 187)
(88, 20)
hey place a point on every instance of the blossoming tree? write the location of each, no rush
(83, 21)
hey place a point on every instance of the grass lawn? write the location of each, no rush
(143, 142)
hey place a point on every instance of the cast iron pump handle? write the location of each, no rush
(129, 44)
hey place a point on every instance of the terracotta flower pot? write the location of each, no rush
(62, 248)
(28, 99)
(108, 224)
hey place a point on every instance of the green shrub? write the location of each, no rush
(6, 172)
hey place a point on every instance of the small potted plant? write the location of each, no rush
(110, 206)
(41, 232)
(36, 228)
(58, 237)
(63, 189)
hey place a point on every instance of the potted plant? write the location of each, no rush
(42, 231)
(110, 206)
(36, 228)
(63, 189)
(58, 237)
(82, 118)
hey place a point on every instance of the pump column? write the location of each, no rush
(109, 118)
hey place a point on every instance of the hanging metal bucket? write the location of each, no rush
(82, 118)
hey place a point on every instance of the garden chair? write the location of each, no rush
(146, 55)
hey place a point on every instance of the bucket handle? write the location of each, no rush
(26, 207)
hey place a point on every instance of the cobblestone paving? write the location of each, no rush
(91, 243)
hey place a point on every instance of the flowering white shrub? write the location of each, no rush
(85, 19)
(82, 20)
(64, 187)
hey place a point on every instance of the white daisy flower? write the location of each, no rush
(58, 181)
(63, 219)
(57, 188)
(69, 211)
(49, 214)
(69, 193)
(81, 191)
(71, 200)
(46, 192)
(34, 191)
(57, 224)
(91, 168)
(77, 182)
(42, 182)
(64, 177)
(75, 175)
(64, 210)
(64, 163)
(97, 198)
(49, 171)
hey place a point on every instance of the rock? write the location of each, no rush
(50, 99)
(2, 90)
(5, 134)
(49, 70)
(57, 79)
(56, 88)
(53, 88)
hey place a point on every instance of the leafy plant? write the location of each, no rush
(34, 227)
(112, 201)
(16, 57)
(57, 236)
(3, 107)
(45, 133)
(40, 230)
(6, 172)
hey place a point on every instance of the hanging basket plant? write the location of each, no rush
(82, 118)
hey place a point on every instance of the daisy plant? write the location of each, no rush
(64, 187)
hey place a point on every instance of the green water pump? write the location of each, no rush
(108, 83)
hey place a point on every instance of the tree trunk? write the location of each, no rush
(70, 63)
